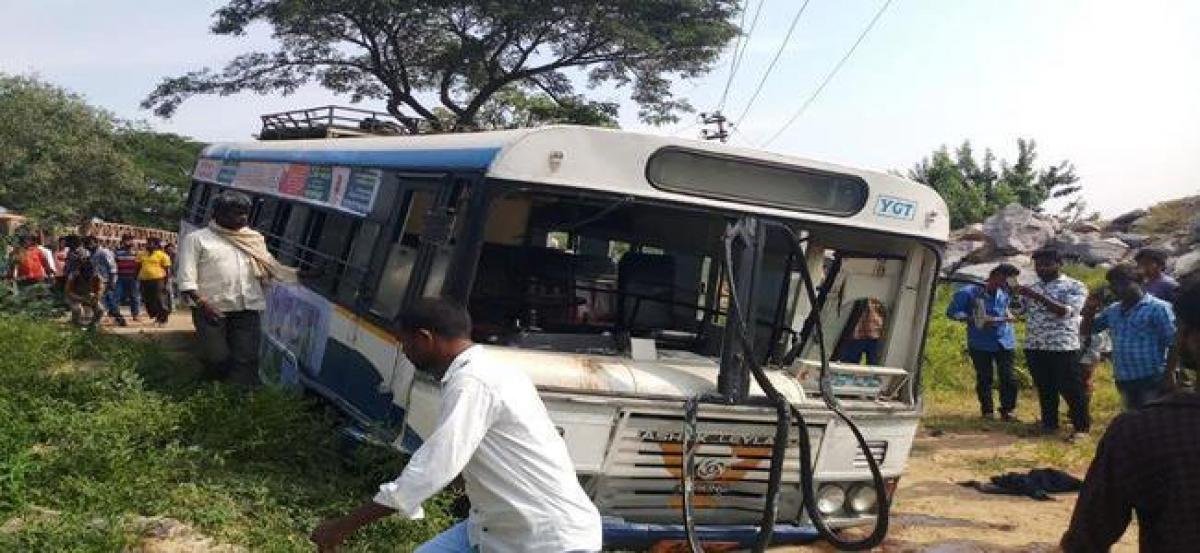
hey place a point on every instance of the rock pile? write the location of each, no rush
(1015, 232)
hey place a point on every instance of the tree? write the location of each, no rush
(974, 189)
(165, 161)
(63, 161)
(464, 55)
(513, 109)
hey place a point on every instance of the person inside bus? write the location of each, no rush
(1148, 464)
(991, 340)
(870, 319)
(493, 429)
(222, 271)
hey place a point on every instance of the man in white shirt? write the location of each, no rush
(222, 271)
(495, 431)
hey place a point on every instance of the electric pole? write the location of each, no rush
(718, 119)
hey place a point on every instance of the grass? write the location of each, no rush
(1169, 217)
(96, 430)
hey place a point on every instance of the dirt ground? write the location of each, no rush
(931, 514)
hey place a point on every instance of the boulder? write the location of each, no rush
(1187, 266)
(1194, 231)
(963, 251)
(1016, 230)
(1085, 226)
(1172, 245)
(979, 271)
(1090, 248)
(1131, 239)
(1125, 221)
(970, 232)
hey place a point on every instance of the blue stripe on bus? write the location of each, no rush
(461, 158)
(641, 536)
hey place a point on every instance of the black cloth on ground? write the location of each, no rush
(1037, 484)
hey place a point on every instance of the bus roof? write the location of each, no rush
(603, 160)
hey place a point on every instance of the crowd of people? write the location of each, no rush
(94, 281)
(1069, 331)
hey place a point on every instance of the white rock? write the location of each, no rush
(1016, 229)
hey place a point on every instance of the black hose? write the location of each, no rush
(688, 459)
(879, 531)
(805, 445)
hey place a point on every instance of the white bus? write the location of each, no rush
(627, 274)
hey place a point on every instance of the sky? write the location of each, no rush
(1111, 86)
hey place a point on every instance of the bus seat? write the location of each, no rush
(646, 288)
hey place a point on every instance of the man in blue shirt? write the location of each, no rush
(1143, 333)
(990, 337)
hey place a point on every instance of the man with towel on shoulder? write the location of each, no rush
(223, 270)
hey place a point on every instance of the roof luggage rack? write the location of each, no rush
(330, 122)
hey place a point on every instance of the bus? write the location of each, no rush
(668, 297)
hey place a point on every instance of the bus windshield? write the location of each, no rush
(580, 273)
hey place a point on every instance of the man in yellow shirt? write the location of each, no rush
(155, 267)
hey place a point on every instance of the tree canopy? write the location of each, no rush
(63, 161)
(974, 188)
(441, 65)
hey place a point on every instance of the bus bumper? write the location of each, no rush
(636, 535)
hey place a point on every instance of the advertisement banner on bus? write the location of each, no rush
(348, 189)
(298, 319)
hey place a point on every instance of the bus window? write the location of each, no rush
(402, 255)
(332, 247)
(198, 211)
(193, 198)
(313, 229)
(358, 262)
(294, 224)
(263, 213)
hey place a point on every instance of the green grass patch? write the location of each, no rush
(97, 429)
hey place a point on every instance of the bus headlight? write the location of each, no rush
(862, 498)
(831, 498)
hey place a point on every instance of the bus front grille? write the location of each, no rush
(642, 477)
(878, 451)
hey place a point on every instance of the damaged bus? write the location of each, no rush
(728, 340)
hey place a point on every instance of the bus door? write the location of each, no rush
(411, 241)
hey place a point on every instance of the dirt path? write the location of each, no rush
(932, 513)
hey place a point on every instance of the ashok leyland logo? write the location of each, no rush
(895, 208)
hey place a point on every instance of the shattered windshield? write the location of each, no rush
(584, 274)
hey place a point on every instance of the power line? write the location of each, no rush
(778, 53)
(737, 44)
(739, 54)
(829, 77)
